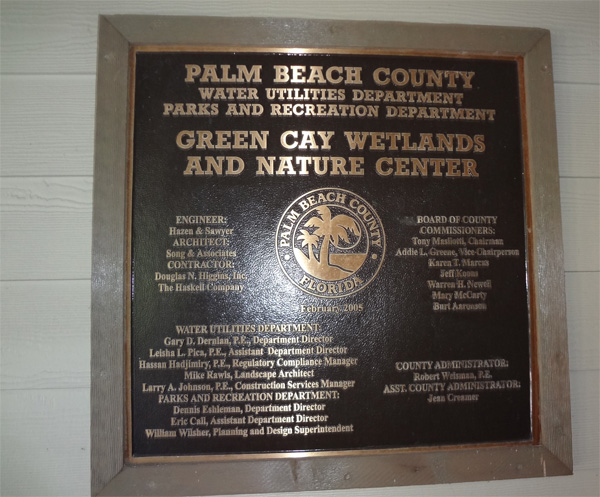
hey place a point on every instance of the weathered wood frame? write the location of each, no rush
(551, 455)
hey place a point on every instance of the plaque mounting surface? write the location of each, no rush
(333, 256)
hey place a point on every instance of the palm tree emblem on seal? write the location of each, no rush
(330, 231)
(330, 242)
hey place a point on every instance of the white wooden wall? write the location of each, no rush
(48, 76)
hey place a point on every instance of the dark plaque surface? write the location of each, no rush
(328, 252)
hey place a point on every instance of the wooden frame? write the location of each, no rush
(551, 455)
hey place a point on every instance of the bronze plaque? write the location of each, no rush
(318, 266)
(328, 252)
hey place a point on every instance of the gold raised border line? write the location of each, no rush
(134, 49)
(529, 260)
(128, 437)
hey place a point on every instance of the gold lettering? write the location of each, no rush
(211, 73)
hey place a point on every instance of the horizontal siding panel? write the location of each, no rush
(585, 404)
(42, 246)
(48, 127)
(577, 129)
(54, 426)
(45, 436)
(582, 291)
(580, 206)
(46, 227)
(45, 334)
(60, 37)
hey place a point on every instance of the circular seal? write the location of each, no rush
(330, 243)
